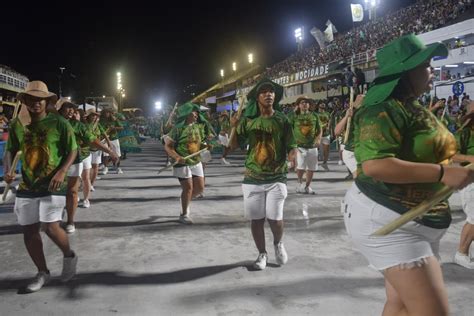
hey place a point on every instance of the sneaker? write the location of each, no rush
(261, 262)
(92, 188)
(105, 171)
(41, 279)
(98, 178)
(225, 162)
(300, 188)
(463, 260)
(325, 166)
(69, 268)
(119, 171)
(185, 219)
(200, 196)
(340, 162)
(86, 204)
(70, 228)
(349, 177)
(308, 190)
(280, 254)
(168, 163)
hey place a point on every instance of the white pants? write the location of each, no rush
(467, 199)
(115, 144)
(75, 170)
(96, 157)
(46, 209)
(307, 159)
(349, 160)
(264, 200)
(405, 246)
(224, 140)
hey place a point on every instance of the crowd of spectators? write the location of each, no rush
(421, 17)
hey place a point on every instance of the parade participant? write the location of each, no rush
(326, 137)
(403, 153)
(307, 132)
(165, 128)
(92, 118)
(348, 156)
(127, 137)
(112, 127)
(269, 135)
(84, 139)
(48, 149)
(465, 139)
(224, 124)
(185, 138)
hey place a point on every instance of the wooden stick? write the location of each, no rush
(168, 122)
(242, 101)
(349, 119)
(11, 173)
(17, 109)
(466, 123)
(418, 210)
(187, 157)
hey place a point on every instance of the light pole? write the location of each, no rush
(120, 89)
(299, 35)
(371, 6)
(60, 81)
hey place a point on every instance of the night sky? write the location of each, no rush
(159, 48)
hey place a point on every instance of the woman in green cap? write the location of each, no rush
(187, 137)
(403, 153)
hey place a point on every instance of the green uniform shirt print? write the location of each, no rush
(324, 121)
(107, 126)
(269, 139)
(98, 132)
(465, 140)
(225, 125)
(45, 145)
(16, 132)
(306, 128)
(187, 141)
(349, 145)
(411, 133)
(84, 137)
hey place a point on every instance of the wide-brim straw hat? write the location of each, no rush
(37, 89)
(395, 59)
(65, 101)
(92, 112)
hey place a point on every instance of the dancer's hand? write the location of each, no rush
(9, 178)
(180, 160)
(114, 157)
(56, 181)
(234, 120)
(457, 177)
(358, 101)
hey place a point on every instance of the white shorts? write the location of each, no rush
(325, 140)
(406, 246)
(187, 172)
(467, 199)
(46, 209)
(224, 140)
(342, 146)
(75, 170)
(264, 200)
(115, 144)
(307, 159)
(87, 163)
(96, 157)
(349, 160)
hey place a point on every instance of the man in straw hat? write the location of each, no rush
(112, 127)
(48, 148)
(187, 137)
(307, 131)
(269, 135)
(84, 138)
(403, 152)
(465, 140)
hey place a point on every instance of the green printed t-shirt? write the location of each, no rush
(269, 139)
(411, 133)
(98, 131)
(225, 125)
(349, 145)
(306, 128)
(106, 125)
(465, 140)
(324, 122)
(84, 137)
(188, 140)
(44, 145)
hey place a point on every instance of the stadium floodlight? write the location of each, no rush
(469, 62)
(451, 66)
(158, 105)
(373, 3)
(299, 34)
(69, 98)
(103, 96)
(123, 95)
(222, 73)
(119, 74)
(250, 58)
(234, 66)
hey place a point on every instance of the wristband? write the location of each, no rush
(441, 173)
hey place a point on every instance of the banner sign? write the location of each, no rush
(303, 75)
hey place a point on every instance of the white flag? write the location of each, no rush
(319, 37)
(329, 23)
(357, 12)
(329, 33)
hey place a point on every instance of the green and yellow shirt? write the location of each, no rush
(188, 140)
(306, 128)
(324, 121)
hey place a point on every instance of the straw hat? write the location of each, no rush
(92, 112)
(64, 101)
(37, 89)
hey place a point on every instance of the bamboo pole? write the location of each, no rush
(11, 173)
(418, 210)
(242, 101)
(187, 157)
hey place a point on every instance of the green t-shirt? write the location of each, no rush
(324, 121)
(107, 126)
(411, 133)
(349, 145)
(224, 125)
(84, 137)
(465, 140)
(44, 145)
(306, 128)
(269, 139)
(98, 132)
(188, 140)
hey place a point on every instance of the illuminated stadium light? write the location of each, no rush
(123, 95)
(469, 62)
(119, 74)
(299, 34)
(451, 66)
(158, 105)
(103, 96)
(234, 66)
(373, 3)
(250, 58)
(437, 68)
(222, 73)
